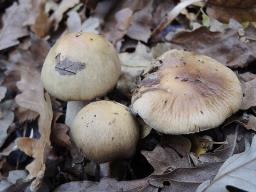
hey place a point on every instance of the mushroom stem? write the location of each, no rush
(73, 107)
(104, 169)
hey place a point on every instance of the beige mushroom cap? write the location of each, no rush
(187, 93)
(80, 66)
(104, 131)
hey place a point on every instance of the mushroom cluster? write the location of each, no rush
(183, 93)
(80, 67)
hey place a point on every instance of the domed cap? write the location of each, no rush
(104, 131)
(186, 93)
(80, 66)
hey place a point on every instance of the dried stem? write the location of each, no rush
(172, 15)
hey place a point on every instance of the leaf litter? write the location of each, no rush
(141, 31)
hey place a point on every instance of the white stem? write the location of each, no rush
(73, 107)
(104, 169)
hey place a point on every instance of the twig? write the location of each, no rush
(172, 15)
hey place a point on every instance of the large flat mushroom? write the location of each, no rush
(186, 93)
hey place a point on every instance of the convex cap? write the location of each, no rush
(104, 131)
(186, 93)
(80, 66)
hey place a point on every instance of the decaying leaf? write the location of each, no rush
(251, 122)
(3, 91)
(233, 3)
(24, 114)
(238, 12)
(140, 28)
(224, 151)
(249, 94)
(33, 57)
(62, 8)
(123, 20)
(181, 144)
(224, 47)
(186, 180)
(13, 20)
(59, 133)
(33, 98)
(41, 24)
(6, 119)
(133, 64)
(165, 160)
(92, 25)
(73, 22)
(238, 171)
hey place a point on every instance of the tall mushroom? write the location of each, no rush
(186, 93)
(104, 131)
(80, 67)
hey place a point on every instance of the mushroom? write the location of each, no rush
(186, 93)
(80, 67)
(105, 131)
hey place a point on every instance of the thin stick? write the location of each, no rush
(172, 15)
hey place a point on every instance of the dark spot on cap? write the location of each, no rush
(115, 113)
(176, 77)
(201, 112)
(78, 34)
(94, 115)
(91, 39)
(112, 138)
(243, 94)
(184, 79)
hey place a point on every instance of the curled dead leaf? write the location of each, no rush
(33, 98)
(13, 27)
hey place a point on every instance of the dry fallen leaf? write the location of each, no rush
(140, 28)
(123, 20)
(3, 91)
(73, 22)
(92, 24)
(61, 9)
(233, 3)
(6, 119)
(132, 65)
(185, 180)
(165, 160)
(59, 135)
(33, 98)
(251, 122)
(224, 47)
(249, 94)
(13, 27)
(41, 24)
(237, 171)
(242, 11)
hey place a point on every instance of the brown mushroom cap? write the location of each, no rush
(104, 131)
(187, 93)
(80, 66)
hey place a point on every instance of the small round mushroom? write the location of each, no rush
(80, 67)
(105, 131)
(186, 93)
